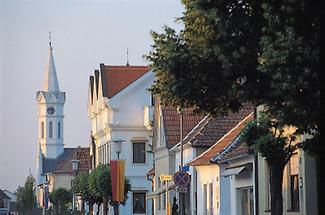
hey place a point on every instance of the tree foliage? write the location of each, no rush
(60, 198)
(26, 198)
(100, 185)
(232, 52)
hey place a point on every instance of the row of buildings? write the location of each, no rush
(225, 176)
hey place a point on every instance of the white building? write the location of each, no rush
(120, 108)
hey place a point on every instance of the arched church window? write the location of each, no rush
(42, 129)
(50, 129)
(59, 130)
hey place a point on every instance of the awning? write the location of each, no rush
(233, 171)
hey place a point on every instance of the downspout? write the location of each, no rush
(152, 189)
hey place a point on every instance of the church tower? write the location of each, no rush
(50, 101)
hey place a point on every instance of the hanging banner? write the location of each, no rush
(117, 179)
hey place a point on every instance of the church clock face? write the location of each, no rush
(51, 110)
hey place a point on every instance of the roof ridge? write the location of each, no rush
(223, 137)
(195, 130)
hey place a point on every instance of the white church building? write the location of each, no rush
(52, 158)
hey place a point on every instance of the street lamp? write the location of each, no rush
(75, 167)
(118, 149)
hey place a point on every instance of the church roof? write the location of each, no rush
(3, 195)
(51, 83)
(63, 165)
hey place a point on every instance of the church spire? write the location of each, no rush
(51, 83)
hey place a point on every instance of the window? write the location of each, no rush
(217, 192)
(59, 130)
(247, 201)
(139, 152)
(139, 202)
(152, 100)
(50, 129)
(205, 193)
(42, 129)
(294, 182)
(211, 198)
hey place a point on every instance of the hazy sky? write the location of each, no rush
(85, 33)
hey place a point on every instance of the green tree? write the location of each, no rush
(26, 198)
(100, 186)
(81, 188)
(233, 52)
(60, 198)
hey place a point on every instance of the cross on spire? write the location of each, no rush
(127, 57)
(50, 39)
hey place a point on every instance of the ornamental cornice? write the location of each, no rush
(102, 133)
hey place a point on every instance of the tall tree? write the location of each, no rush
(264, 52)
(26, 198)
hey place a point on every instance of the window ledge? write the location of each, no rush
(296, 211)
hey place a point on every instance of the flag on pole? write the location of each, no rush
(117, 177)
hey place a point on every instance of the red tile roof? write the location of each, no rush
(221, 144)
(116, 78)
(82, 154)
(241, 149)
(171, 120)
(218, 126)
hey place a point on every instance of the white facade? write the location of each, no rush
(122, 117)
(208, 190)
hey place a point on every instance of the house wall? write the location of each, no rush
(206, 175)
(122, 117)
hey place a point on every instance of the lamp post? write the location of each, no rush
(75, 167)
(118, 149)
(181, 199)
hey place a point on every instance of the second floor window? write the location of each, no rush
(59, 130)
(42, 129)
(51, 130)
(139, 152)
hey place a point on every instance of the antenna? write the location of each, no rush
(127, 57)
